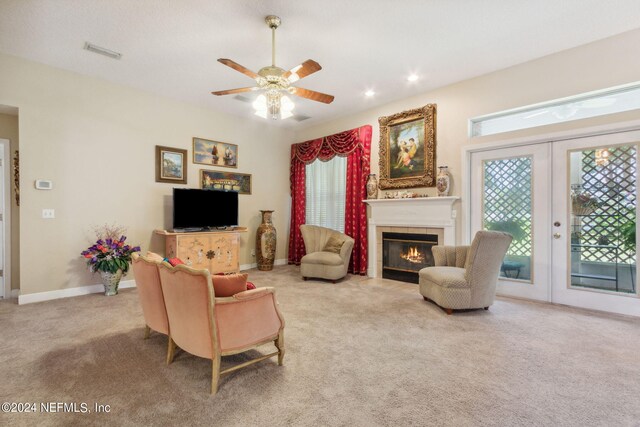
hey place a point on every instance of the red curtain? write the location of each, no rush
(354, 144)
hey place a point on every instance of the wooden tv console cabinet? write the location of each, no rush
(217, 251)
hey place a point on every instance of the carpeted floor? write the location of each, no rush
(361, 352)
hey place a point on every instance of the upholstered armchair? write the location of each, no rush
(328, 253)
(211, 327)
(145, 273)
(465, 277)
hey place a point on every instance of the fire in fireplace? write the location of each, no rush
(405, 254)
(413, 255)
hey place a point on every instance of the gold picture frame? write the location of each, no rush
(214, 153)
(227, 181)
(408, 148)
(171, 165)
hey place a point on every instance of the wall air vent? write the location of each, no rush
(102, 51)
(300, 117)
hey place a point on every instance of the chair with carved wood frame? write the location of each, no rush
(147, 278)
(211, 327)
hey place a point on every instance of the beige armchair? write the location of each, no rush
(319, 262)
(465, 276)
(211, 327)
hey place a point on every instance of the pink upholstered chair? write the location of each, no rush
(211, 327)
(145, 272)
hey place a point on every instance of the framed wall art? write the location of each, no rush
(408, 148)
(171, 165)
(214, 153)
(230, 181)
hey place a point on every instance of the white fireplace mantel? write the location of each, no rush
(423, 212)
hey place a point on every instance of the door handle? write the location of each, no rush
(556, 235)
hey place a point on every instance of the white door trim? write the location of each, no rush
(5, 208)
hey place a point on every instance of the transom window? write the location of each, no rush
(592, 104)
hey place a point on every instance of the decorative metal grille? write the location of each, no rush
(614, 185)
(507, 201)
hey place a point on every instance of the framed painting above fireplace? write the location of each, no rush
(408, 148)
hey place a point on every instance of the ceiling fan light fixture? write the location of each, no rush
(286, 103)
(275, 82)
(273, 104)
(260, 105)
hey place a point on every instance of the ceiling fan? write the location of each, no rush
(276, 82)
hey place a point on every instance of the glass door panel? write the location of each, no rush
(603, 218)
(507, 201)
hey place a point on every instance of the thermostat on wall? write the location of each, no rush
(44, 184)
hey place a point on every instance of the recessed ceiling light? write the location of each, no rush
(369, 93)
(412, 77)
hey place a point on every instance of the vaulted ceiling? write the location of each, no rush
(170, 47)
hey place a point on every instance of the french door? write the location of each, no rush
(594, 201)
(571, 208)
(510, 189)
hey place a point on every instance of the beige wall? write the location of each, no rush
(9, 130)
(598, 65)
(96, 141)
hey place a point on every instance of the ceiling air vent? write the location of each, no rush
(300, 117)
(242, 98)
(102, 51)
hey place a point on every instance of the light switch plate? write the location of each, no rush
(44, 184)
(48, 213)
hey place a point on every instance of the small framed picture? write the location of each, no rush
(171, 165)
(229, 181)
(213, 153)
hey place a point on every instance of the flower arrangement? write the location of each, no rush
(110, 253)
(582, 202)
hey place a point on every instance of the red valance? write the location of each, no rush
(340, 144)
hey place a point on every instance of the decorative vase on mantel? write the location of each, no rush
(443, 181)
(111, 281)
(372, 187)
(266, 243)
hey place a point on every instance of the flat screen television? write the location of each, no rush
(195, 209)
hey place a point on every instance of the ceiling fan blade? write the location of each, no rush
(311, 94)
(238, 67)
(230, 91)
(303, 70)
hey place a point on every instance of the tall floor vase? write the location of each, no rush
(111, 281)
(266, 243)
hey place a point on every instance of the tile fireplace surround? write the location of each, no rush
(429, 215)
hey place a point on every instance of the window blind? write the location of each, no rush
(326, 187)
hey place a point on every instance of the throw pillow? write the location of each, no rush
(229, 285)
(334, 244)
(152, 256)
(250, 286)
(175, 261)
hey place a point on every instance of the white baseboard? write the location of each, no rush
(255, 265)
(15, 293)
(69, 292)
(94, 289)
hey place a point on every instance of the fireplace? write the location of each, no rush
(405, 254)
